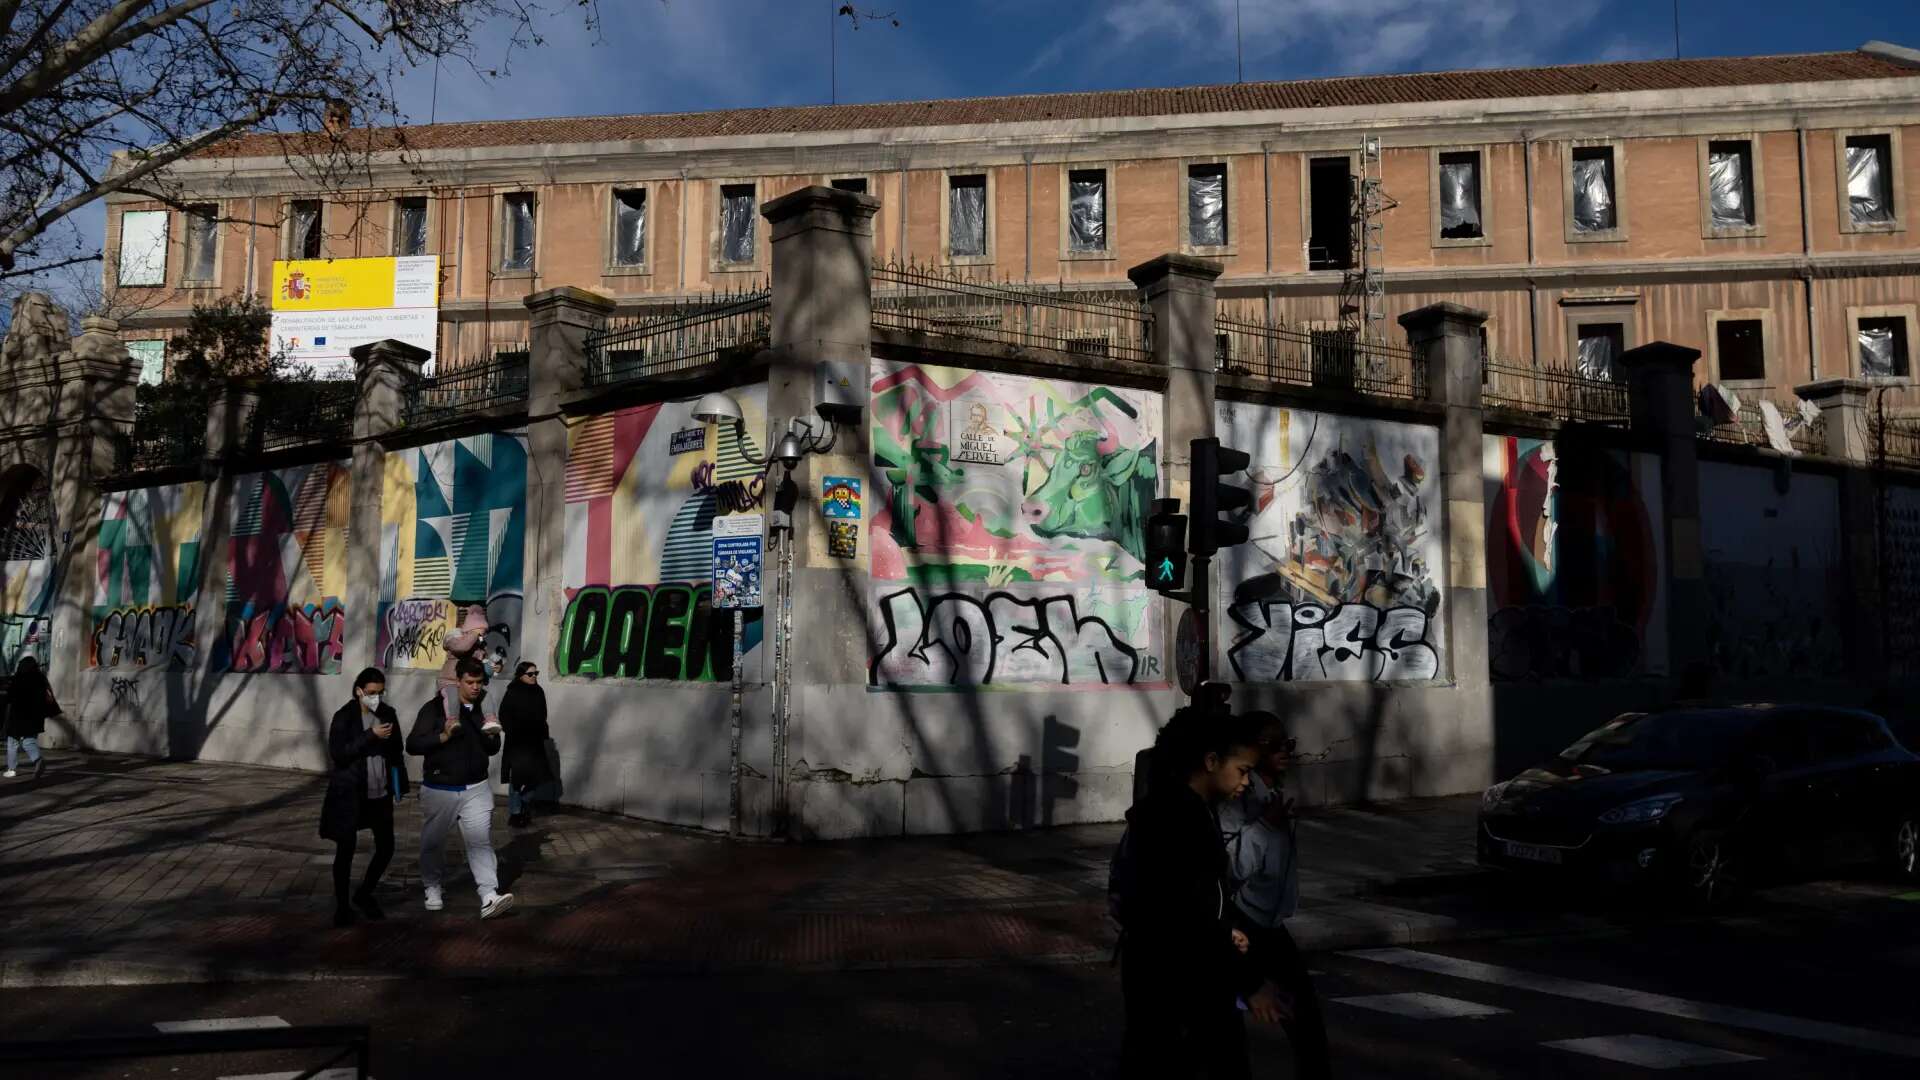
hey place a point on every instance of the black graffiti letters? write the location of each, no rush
(962, 640)
(1281, 641)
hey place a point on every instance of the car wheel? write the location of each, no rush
(1906, 849)
(1712, 875)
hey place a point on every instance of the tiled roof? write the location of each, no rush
(1242, 97)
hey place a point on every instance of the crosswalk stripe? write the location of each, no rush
(1660, 1004)
(1650, 1052)
(225, 1023)
(1420, 1006)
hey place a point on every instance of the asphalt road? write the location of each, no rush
(1817, 983)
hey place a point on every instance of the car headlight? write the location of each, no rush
(1493, 793)
(1641, 810)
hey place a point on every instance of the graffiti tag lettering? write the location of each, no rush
(1282, 641)
(647, 631)
(729, 496)
(306, 640)
(126, 693)
(961, 640)
(145, 637)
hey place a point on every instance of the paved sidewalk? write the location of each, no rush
(128, 870)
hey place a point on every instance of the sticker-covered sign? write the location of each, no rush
(840, 497)
(736, 560)
(843, 539)
(687, 441)
(978, 432)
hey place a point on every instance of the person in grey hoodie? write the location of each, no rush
(1258, 828)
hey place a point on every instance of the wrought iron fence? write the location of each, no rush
(939, 302)
(299, 413)
(683, 336)
(1748, 425)
(1894, 431)
(1553, 390)
(1329, 359)
(169, 429)
(464, 388)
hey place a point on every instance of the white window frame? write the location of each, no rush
(609, 239)
(716, 249)
(186, 248)
(503, 230)
(1899, 222)
(1710, 231)
(1187, 246)
(1580, 311)
(1618, 233)
(1067, 253)
(120, 254)
(1908, 312)
(1307, 158)
(946, 217)
(1763, 316)
(1485, 239)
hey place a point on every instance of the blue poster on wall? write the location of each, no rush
(736, 561)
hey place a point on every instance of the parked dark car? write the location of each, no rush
(1708, 801)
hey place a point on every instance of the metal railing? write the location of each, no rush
(169, 429)
(685, 335)
(1553, 390)
(471, 387)
(300, 413)
(944, 303)
(1894, 435)
(1326, 359)
(1748, 427)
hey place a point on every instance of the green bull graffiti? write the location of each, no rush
(1095, 496)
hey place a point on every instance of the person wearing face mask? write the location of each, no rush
(369, 774)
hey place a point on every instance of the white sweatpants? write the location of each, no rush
(473, 809)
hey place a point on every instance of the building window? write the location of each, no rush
(1087, 210)
(856, 184)
(1741, 348)
(143, 247)
(1870, 180)
(630, 227)
(967, 215)
(409, 227)
(737, 212)
(1329, 214)
(1595, 191)
(152, 356)
(1730, 191)
(1207, 205)
(202, 240)
(303, 229)
(1460, 217)
(1883, 347)
(1598, 346)
(517, 223)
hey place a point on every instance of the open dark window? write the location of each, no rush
(1730, 184)
(1870, 179)
(1883, 348)
(736, 223)
(1087, 210)
(852, 183)
(630, 227)
(967, 215)
(1597, 350)
(410, 227)
(1460, 196)
(201, 226)
(303, 229)
(1594, 190)
(1742, 347)
(1207, 205)
(1329, 214)
(516, 248)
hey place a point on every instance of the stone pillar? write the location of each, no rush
(560, 320)
(1661, 404)
(822, 328)
(1845, 409)
(1179, 290)
(1445, 339)
(386, 372)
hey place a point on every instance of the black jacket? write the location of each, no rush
(29, 703)
(349, 744)
(460, 760)
(523, 714)
(1178, 936)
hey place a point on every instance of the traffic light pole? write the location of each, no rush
(1197, 594)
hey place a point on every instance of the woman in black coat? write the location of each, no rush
(29, 703)
(523, 762)
(369, 775)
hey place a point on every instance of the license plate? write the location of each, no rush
(1533, 853)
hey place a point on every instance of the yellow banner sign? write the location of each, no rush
(355, 284)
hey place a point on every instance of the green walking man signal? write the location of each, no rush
(1166, 547)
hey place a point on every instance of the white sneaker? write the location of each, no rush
(11, 774)
(497, 904)
(434, 901)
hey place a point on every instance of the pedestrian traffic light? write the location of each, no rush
(1166, 547)
(1211, 498)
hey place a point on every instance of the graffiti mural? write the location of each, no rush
(147, 578)
(287, 572)
(1342, 574)
(453, 527)
(1008, 528)
(1576, 561)
(1773, 572)
(644, 486)
(26, 575)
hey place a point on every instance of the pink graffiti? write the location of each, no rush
(304, 641)
(730, 496)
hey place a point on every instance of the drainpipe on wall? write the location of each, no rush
(680, 264)
(253, 230)
(901, 168)
(1806, 252)
(1028, 158)
(1533, 287)
(1266, 214)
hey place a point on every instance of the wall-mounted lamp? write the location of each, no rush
(800, 440)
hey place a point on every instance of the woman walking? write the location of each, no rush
(523, 713)
(369, 774)
(29, 703)
(1183, 965)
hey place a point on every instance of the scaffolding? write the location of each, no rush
(1363, 291)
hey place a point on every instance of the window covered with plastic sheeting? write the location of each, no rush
(736, 223)
(1883, 348)
(967, 216)
(303, 221)
(1460, 196)
(410, 227)
(1730, 184)
(1593, 190)
(630, 228)
(143, 247)
(152, 356)
(517, 246)
(1870, 179)
(1598, 348)
(1207, 205)
(1087, 210)
(201, 225)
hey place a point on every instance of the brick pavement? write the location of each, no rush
(127, 869)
